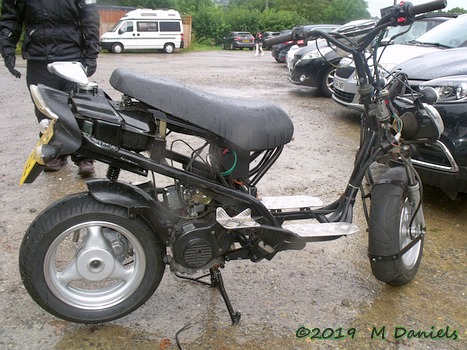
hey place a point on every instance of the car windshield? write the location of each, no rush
(449, 34)
(403, 34)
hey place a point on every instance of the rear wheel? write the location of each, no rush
(169, 48)
(85, 261)
(393, 225)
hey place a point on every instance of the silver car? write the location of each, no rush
(447, 33)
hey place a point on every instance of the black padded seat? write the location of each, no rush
(251, 125)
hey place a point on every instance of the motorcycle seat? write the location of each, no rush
(248, 124)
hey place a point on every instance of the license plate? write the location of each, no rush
(245, 40)
(32, 168)
(339, 85)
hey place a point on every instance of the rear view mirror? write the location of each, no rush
(71, 71)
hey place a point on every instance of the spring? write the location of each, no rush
(113, 173)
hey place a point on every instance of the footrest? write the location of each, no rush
(331, 229)
(291, 202)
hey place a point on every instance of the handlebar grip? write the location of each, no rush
(428, 7)
(279, 39)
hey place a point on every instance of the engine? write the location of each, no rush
(197, 240)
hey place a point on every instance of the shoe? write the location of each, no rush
(86, 167)
(56, 164)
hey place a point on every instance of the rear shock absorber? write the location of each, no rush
(113, 173)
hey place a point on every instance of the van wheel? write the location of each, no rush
(169, 48)
(117, 48)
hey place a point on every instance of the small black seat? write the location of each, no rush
(251, 125)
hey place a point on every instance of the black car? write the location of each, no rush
(316, 69)
(316, 65)
(238, 40)
(268, 35)
(443, 165)
(279, 51)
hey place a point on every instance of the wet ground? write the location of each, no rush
(325, 289)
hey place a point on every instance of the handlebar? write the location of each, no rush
(401, 14)
(429, 6)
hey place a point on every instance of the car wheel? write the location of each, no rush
(169, 48)
(327, 81)
(117, 48)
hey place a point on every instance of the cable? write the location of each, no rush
(184, 328)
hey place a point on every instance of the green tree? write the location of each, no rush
(209, 25)
(458, 10)
(343, 11)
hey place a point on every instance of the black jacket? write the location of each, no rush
(55, 30)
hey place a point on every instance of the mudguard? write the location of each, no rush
(136, 200)
(67, 134)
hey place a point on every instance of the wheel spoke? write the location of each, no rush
(96, 239)
(121, 272)
(69, 274)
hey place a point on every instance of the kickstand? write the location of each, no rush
(218, 282)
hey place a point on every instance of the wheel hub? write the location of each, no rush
(95, 264)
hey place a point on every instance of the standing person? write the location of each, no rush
(259, 43)
(54, 30)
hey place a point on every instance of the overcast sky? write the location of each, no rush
(375, 5)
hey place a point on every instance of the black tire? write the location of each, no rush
(117, 48)
(390, 218)
(169, 48)
(327, 81)
(85, 261)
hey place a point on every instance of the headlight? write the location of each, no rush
(346, 62)
(452, 89)
(40, 103)
(316, 53)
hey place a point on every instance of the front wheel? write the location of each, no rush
(327, 81)
(394, 223)
(117, 48)
(85, 261)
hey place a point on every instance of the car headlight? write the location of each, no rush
(316, 53)
(452, 89)
(346, 62)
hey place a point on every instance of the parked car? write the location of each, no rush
(267, 35)
(316, 64)
(447, 35)
(296, 52)
(444, 164)
(279, 51)
(238, 40)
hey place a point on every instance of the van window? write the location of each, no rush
(170, 26)
(147, 26)
(127, 27)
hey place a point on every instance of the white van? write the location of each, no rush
(145, 29)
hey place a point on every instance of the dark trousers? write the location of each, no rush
(37, 73)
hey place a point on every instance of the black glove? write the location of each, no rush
(10, 61)
(90, 64)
